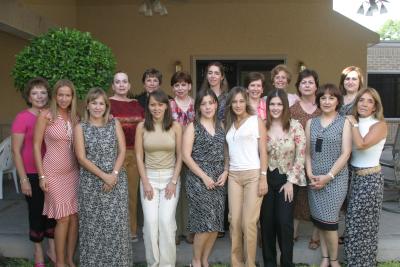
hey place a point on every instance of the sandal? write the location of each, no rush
(296, 238)
(314, 244)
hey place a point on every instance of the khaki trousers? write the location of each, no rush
(133, 187)
(244, 211)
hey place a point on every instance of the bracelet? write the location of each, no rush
(116, 172)
(331, 175)
(263, 173)
(23, 180)
(42, 177)
(174, 182)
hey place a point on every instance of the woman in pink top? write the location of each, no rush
(182, 108)
(255, 83)
(36, 95)
(58, 169)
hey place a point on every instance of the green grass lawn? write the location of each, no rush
(16, 262)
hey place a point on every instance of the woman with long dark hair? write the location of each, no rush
(159, 160)
(286, 143)
(203, 153)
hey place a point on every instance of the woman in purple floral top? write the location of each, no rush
(286, 143)
(182, 107)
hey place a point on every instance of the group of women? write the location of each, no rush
(279, 158)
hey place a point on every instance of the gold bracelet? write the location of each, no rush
(23, 180)
(42, 177)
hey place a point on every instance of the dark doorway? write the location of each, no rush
(388, 86)
(236, 70)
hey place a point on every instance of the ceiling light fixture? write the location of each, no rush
(149, 7)
(372, 6)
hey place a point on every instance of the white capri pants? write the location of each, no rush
(159, 220)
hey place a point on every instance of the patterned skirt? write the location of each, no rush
(362, 219)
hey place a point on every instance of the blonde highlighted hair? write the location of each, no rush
(92, 95)
(378, 114)
(72, 108)
(344, 74)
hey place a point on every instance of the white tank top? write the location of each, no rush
(369, 157)
(243, 145)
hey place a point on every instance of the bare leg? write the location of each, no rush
(324, 251)
(296, 229)
(51, 250)
(331, 240)
(315, 233)
(212, 236)
(199, 242)
(60, 238)
(72, 238)
(38, 252)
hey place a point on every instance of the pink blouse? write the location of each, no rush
(24, 123)
(182, 117)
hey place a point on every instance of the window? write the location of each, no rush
(388, 86)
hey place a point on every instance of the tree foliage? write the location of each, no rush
(390, 30)
(66, 54)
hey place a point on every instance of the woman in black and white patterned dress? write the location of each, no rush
(103, 190)
(203, 153)
(366, 192)
(327, 151)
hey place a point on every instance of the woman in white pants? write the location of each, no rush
(159, 160)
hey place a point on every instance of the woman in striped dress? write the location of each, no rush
(58, 169)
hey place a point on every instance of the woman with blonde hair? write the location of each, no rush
(58, 169)
(280, 79)
(369, 131)
(351, 81)
(103, 190)
(247, 183)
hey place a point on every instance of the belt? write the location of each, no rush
(367, 171)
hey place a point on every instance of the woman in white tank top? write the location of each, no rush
(369, 133)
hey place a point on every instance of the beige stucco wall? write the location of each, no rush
(307, 30)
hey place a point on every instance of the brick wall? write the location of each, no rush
(384, 58)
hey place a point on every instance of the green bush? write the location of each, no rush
(66, 54)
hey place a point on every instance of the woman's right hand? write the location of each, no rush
(148, 190)
(110, 179)
(209, 183)
(26, 188)
(43, 184)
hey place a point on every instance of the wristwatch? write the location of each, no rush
(355, 125)
(174, 182)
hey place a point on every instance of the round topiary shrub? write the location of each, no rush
(66, 54)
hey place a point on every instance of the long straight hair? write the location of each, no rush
(285, 117)
(224, 83)
(161, 97)
(72, 108)
(230, 116)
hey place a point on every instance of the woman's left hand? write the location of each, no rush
(288, 191)
(319, 181)
(170, 190)
(222, 179)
